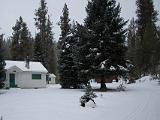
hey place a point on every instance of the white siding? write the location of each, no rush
(24, 79)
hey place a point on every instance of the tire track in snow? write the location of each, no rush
(142, 110)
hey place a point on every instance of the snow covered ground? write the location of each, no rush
(141, 101)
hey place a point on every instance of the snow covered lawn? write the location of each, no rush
(141, 101)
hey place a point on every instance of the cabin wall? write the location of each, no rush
(24, 79)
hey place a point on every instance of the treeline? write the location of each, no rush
(144, 41)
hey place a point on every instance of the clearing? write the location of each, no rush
(140, 101)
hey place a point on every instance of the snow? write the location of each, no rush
(140, 101)
(112, 68)
(33, 66)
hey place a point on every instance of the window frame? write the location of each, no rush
(36, 76)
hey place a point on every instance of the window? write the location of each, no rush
(36, 76)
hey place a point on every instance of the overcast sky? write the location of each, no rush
(10, 10)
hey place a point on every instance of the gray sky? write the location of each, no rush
(10, 10)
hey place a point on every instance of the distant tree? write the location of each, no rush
(38, 51)
(7, 48)
(132, 48)
(16, 39)
(22, 45)
(147, 39)
(26, 43)
(51, 50)
(108, 42)
(2, 63)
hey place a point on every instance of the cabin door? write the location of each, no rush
(12, 80)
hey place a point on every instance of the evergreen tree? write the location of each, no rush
(51, 53)
(132, 48)
(43, 48)
(15, 39)
(64, 24)
(147, 39)
(41, 24)
(38, 53)
(108, 43)
(26, 43)
(2, 63)
(21, 45)
(83, 57)
(67, 66)
(89, 95)
(7, 48)
(66, 44)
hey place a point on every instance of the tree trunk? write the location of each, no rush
(103, 85)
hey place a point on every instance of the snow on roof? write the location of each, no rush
(52, 75)
(33, 66)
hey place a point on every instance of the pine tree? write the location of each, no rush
(67, 66)
(108, 43)
(44, 37)
(83, 56)
(2, 63)
(132, 49)
(21, 46)
(7, 48)
(51, 53)
(66, 44)
(147, 41)
(89, 95)
(41, 24)
(38, 53)
(26, 44)
(15, 39)
(64, 24)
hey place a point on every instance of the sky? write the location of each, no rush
(10, 10)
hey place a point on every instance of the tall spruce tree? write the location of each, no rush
(44, 38)
(7, 46)
(147, 39)
(66, 44)
(2, 63)
(108, 43)
(51, 57)
(21, 46)
(26, 43)
(64, 24)
(132, 48)
(83, 58)
(41, 24)
(15, 39)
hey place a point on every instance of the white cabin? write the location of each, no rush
(23, 74)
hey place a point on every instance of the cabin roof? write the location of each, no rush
(33, 66)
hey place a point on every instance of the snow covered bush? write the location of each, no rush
(121, 86)
(89, 95)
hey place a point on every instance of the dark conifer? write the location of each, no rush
(108, 43)
(2, 63)
(66, 44)
(44, 37)
(21, 46)
(147, 38)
